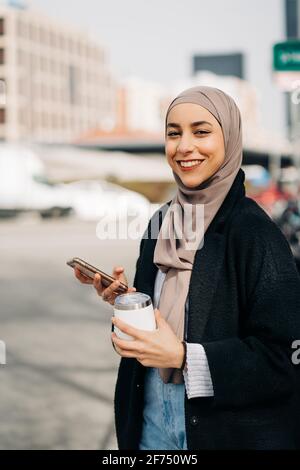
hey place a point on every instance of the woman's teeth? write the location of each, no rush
(188, 164)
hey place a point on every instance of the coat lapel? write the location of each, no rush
(146, 279)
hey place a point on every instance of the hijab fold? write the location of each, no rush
(176, 245)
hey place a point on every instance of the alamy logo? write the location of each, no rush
(296, 354)
(184, 223)
(2, 353)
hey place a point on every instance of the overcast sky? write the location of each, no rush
(156, 39)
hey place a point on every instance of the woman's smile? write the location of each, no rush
(189, 165)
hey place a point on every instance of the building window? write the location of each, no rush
(20, 57)
(22, 117)
(22, 29)
(2, 116)
(44, 36)
(36, 120)
(2, 58)
(43, 64)
(33, 32)
(22, 86)
(62, 43)
(2, 26)
(33, 61)
(53, 94)
(54, 121)
(45, 120)
(73, 85)
(23, 58)
(53, 39)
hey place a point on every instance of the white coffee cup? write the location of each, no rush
(135, 309)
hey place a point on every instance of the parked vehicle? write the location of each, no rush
(92, 199)
(24, 187)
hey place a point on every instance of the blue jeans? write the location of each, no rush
(163, 416)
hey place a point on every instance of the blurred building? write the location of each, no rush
(139, 105)
(242, 91)
(55, 81)
(220, 64)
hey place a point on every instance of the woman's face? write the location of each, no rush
(194, 143)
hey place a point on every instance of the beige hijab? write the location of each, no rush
(173, 255)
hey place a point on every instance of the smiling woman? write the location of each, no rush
(217, 371)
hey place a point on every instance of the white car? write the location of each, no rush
(23, 185)
(92, 200)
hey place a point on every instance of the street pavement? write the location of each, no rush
(58, 383)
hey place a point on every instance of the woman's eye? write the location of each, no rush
(202, 132)
(170, 134)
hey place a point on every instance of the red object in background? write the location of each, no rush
(269, 196)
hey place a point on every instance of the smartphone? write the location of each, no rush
(90, 272)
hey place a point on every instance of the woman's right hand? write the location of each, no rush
(107, 293)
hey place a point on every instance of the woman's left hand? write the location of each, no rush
(159, 348)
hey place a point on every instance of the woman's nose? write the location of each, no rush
(185, 145)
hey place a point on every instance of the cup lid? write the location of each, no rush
(132, 301)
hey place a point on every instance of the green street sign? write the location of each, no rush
(286, 56)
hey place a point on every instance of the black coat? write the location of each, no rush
(244, 308)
